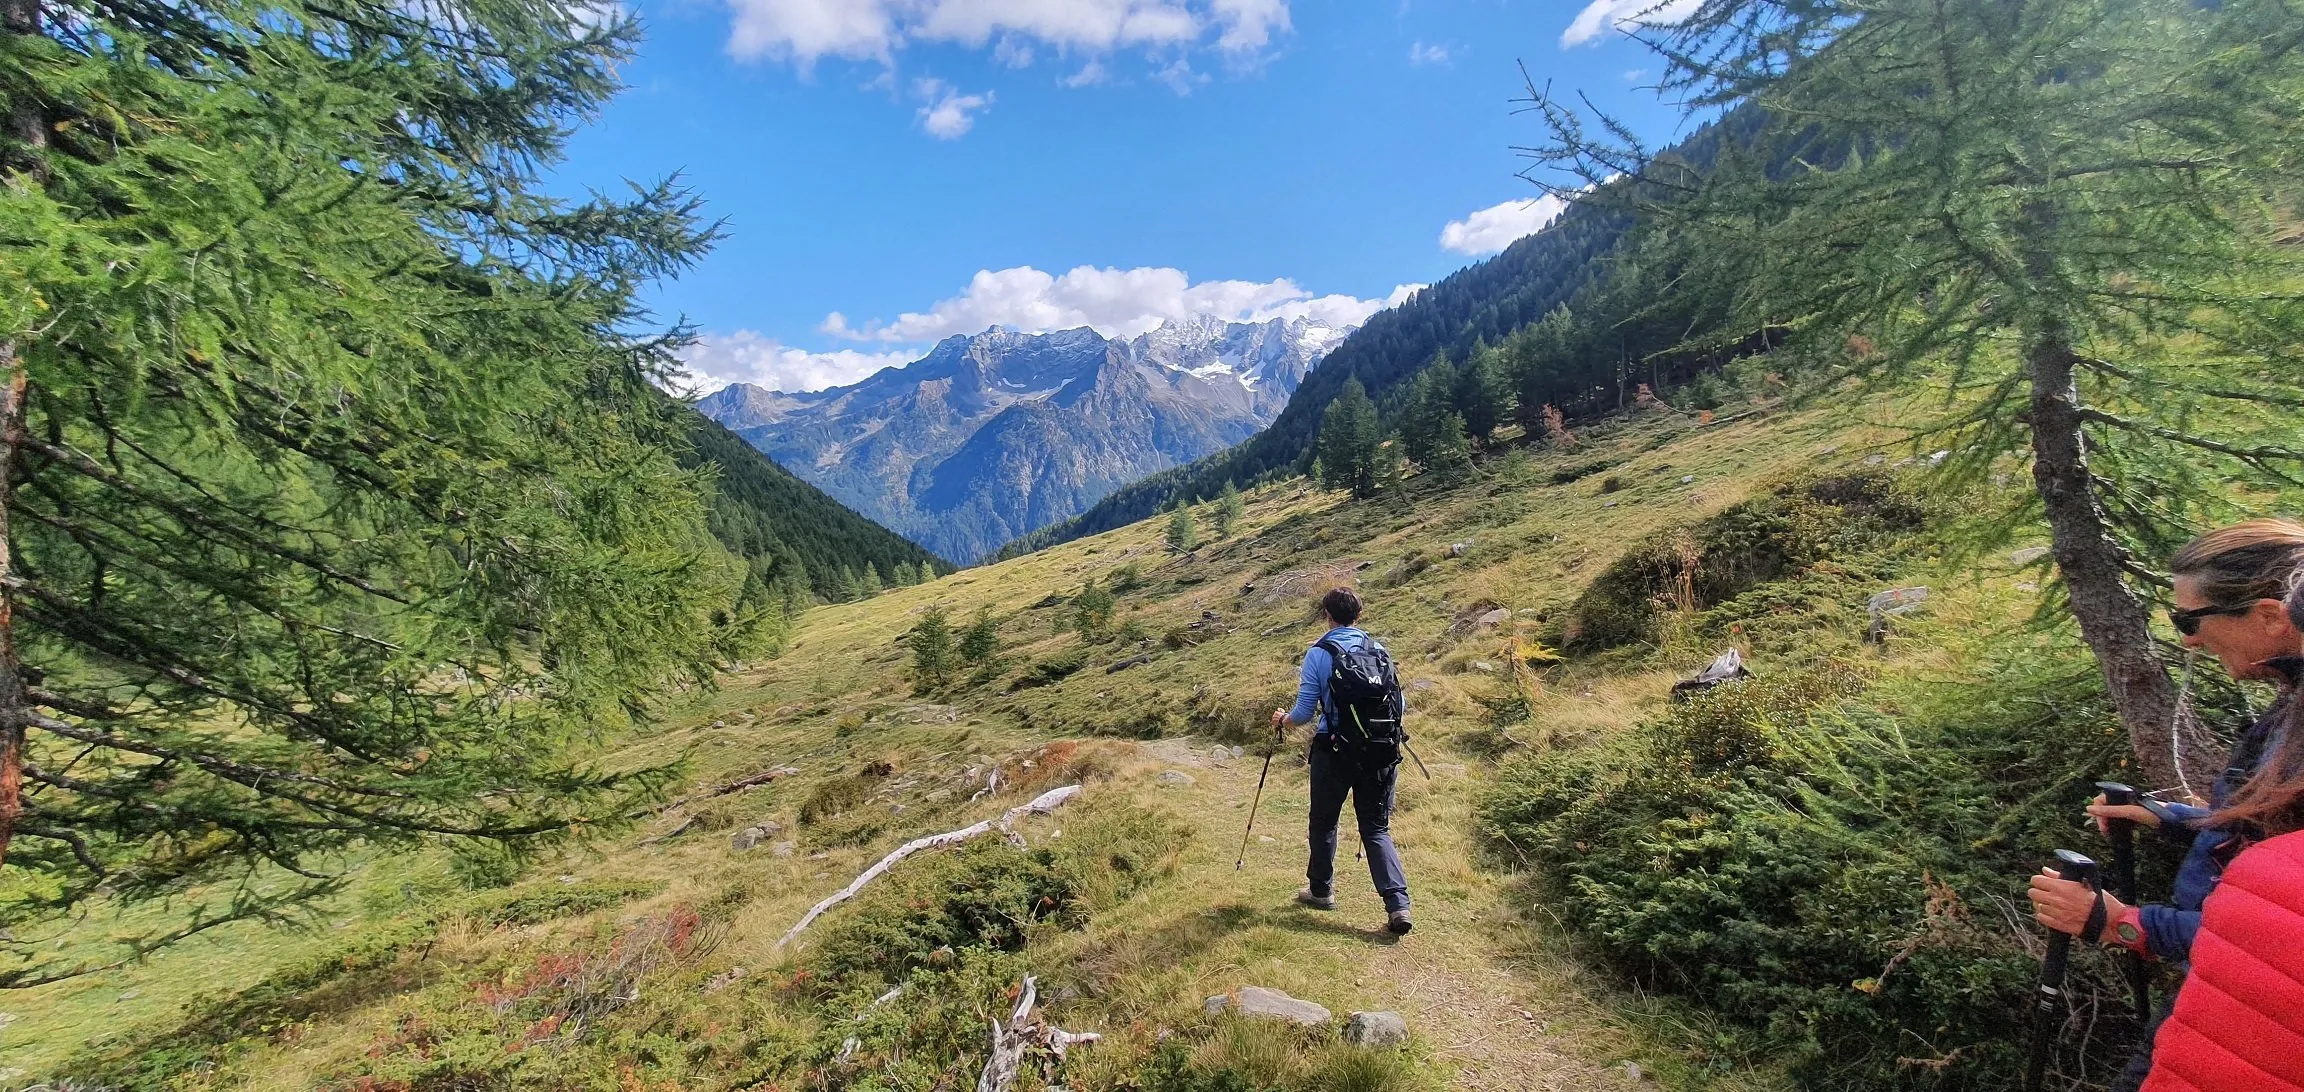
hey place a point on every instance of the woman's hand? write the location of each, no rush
(2064, 905)
(2134, 813)
(1279, 717)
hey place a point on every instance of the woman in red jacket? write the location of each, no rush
(2238, 1025)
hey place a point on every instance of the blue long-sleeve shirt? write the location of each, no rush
(2169, 928)
(1312, 679)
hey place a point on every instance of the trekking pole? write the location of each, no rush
(1242, 860)
(2122, 832)
(2048, 1003)
(1419, 758)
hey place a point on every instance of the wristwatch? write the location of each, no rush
(2128, 932)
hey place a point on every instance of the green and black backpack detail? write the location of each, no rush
(1364, 696)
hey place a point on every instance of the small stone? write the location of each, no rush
(1484, 666)
(1175, 777)
(1376, 1029)
(1238, 751)
(1938, 458)
(753, 835)
(1632, 1072)
(1875, 460)
(131, 995)
(818, 855)
(1496, 617)
(1610, 504)
(1687, 479)
(1264, 838)
(1833, 450)
(567, 879)
(1456, 549)
(2027, 555)
(724, 980)
(783, 849)
(719, 724)
(1261, 1003)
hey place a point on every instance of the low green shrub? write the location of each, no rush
(1784, 531)
(992, 896)
(1834, 870)
(1052, 670)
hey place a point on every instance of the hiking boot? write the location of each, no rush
(1316, 901)
(1397, 923)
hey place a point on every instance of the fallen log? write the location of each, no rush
(1043, 804)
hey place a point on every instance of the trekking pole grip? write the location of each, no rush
(2079, 869)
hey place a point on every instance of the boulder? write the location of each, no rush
(1259, 1003)
(753, 835)
(1894, 603)
(1496, 617)
(1376, 1029)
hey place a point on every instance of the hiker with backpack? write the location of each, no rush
(1349, 683)
(2230, 585)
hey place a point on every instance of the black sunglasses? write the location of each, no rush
(2187, 622)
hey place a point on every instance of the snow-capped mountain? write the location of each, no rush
(994, 435)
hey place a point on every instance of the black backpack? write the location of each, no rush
(1364, 698)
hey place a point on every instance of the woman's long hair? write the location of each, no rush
(2272, 802)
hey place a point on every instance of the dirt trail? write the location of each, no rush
(1473, 980)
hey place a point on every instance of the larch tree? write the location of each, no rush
(340, 505)
(2076, 214)
(1350, 443)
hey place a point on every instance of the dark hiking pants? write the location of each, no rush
(1335, 776)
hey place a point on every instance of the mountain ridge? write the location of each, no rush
(993, 435)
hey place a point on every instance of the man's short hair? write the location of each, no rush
(1342, 605)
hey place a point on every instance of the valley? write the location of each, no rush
(1495, 994)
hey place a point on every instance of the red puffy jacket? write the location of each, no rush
(2239, 1022)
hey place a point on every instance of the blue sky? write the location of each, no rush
(894, 171)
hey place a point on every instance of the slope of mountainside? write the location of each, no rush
(1573, 261)
(656, 962)
(994, 435)
(792, 534)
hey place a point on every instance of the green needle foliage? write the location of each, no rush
(1183, 536)
(341, 506)
(1350, 443)
(2069, 212)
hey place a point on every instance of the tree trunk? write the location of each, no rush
(15, 710)
(26, 126)
(2113, 620)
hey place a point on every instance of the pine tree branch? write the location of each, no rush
(2106, 367)
(254, 777)
(90, 468)
(2253, 455)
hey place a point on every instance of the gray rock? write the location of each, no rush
(1260, 1003)
(754, 835)
(1610, 504)
(1456, 549)
(1175, 777)
(1875, 460)
(1938, 458)
(2028, 555)
(1484, 667)
(1376, 1029)
(1897, 601)
(1496, 617)
(783, 849)
(1632, 1072)
(1687, 479)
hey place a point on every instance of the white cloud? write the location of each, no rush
(1421, 54)
(1601, 16)
(1248, 25)
(1117, 302)
(949, 114)
(804, 31)
(717, 360)
(1089, 75)
(1491, 229)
